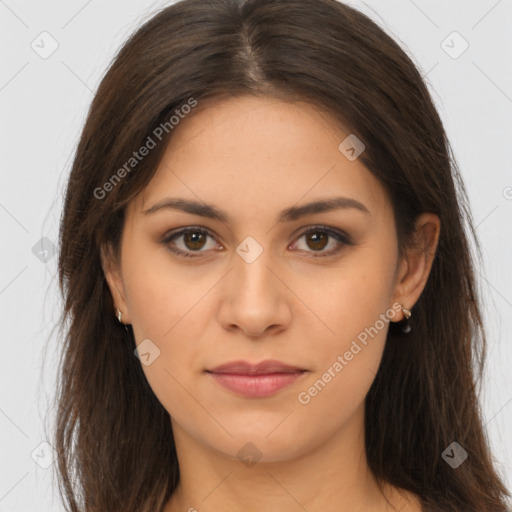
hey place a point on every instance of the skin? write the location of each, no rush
(253, 157)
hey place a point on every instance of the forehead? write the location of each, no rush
(255, 155)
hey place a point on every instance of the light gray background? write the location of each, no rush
(43, 103)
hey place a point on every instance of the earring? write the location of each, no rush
(406, 312)
(406, 326)
(119, 317)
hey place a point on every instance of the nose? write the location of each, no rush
(255, 298)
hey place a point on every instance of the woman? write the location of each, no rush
(265, 267)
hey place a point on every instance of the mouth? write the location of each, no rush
(256, 380)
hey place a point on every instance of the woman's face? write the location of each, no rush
(257, 286)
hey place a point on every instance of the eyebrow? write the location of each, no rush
(289, 214)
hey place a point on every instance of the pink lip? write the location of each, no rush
(256, 380)
(263, 367)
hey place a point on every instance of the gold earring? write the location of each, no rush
(406, 312)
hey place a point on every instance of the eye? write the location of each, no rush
(317, 239)
(193, 240)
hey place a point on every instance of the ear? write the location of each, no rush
(112, 272)
(417, 262)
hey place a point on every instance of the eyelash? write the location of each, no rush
(338, 235)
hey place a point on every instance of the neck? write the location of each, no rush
(334, 476)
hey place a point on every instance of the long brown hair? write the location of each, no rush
(113, 437)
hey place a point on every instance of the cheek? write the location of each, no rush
(160, 295)
(161, 312)
(354, 305)
(155, 304)
(356, 294)
(171, 315)
(345, 363)
(167, 316)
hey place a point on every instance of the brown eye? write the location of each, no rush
(318, 238)
(194, 240)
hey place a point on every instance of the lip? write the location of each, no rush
(256, 380)
(263, 367)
